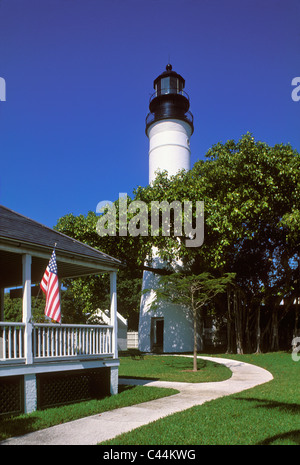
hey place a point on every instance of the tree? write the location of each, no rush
(193, 292)
(251, 195)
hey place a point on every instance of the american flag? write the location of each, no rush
(50, 287)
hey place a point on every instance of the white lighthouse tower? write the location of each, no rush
(169, 126)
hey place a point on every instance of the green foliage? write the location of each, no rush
(13, 308)
(192, 291)
(251, 195)
(249, 191)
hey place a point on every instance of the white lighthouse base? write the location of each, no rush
(168, 328)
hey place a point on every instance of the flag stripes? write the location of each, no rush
(50, 287)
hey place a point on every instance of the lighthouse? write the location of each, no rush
(169, 126)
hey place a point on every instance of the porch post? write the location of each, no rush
(114, 370)
(30, 388)
(1, 318)
(26, 262)
(1, 303)
(113, 312)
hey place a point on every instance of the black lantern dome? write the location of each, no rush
(169, 100)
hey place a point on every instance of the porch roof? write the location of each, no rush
(20, 235)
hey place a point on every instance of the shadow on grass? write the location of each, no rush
(135, 354)
(273, 404)
(16, 426)
(291, 437)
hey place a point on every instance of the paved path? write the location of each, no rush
(97, 428)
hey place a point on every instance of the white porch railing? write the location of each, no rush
(55, 341)
(12, 341)
(60, 341)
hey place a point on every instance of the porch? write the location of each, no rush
(30, 350)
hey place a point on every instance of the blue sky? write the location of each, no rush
(79, 74)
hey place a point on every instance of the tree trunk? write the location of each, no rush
(274, 330)
(238, 322)
(229, 324)
(295, 332)
(195, 333)
(258, 332)
(247, 332)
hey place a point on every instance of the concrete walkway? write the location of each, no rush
(97, 428)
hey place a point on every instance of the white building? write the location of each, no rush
(104, 315)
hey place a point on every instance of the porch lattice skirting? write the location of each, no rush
(70, 363)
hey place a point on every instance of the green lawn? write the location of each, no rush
(267, 414)
(168, 368)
